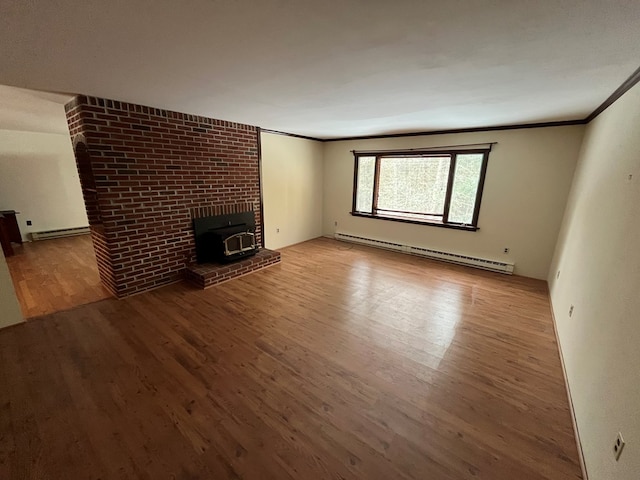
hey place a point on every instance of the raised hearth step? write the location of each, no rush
(209, 274)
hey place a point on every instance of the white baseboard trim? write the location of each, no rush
(576, 432)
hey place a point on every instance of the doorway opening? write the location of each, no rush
(44, 224)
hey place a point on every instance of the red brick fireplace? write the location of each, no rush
(144, 171)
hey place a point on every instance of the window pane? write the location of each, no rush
(413, 185)
(366, 172)
(465, 187)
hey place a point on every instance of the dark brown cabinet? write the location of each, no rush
(9, 231)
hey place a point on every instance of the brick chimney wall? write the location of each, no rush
(147, 169)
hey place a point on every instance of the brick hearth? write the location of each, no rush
(210, 274)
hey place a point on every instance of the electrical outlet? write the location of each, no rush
(506, 250)
(558, 275)
(29, 223)
(571, 310)
(335, 223)
(618, 446)
(277, 230)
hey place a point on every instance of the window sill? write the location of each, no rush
(454, 226)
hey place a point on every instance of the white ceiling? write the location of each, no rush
(330, 68)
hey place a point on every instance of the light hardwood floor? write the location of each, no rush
(342, 362)
(54, 275)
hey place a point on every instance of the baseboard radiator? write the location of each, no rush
(484, 264)
(64, 232)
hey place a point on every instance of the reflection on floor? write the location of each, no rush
(340, 362)
(54, 275)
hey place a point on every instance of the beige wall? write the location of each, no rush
(292, 189)
(39, 179)
(9, 308)
(528, 180)
(598, 255)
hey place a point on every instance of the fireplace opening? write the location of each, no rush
(225, 238)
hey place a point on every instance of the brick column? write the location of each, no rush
(142, 171)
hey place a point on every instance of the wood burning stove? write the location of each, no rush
(225, 238)
(238, 243)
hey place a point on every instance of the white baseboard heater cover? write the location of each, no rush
(64, 232)
(494, 266)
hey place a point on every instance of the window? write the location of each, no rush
(442, 188)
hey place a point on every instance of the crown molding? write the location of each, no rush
(286, 134)
(563, 123)
(621, 90)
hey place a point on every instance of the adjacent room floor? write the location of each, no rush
(342, 362)
(54, 275)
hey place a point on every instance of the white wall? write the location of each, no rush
(528, 179)
(291, 189)
(9, 308)
(598, 255)
(39, 179)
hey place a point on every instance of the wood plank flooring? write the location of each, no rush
(54, 275)
(342, 362)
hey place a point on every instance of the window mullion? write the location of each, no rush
(355, 182)
(447, 197)
(483, 174)
(376, 185)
